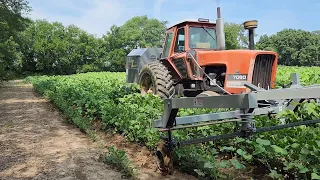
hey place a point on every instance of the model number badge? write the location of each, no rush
(242, 77)
(237, 77)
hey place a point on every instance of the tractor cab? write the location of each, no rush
(190, 34)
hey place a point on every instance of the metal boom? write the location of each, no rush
(257, 102)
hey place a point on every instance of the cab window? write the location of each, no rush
(167, 44)
(180, 41)
(202, 37)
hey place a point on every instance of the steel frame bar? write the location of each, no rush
(199, 118)
(242, 133)
(199, 125)
(288, 93)
(225, 101)
(249, 100)
(217, 116)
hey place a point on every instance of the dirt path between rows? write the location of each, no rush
(37, 143)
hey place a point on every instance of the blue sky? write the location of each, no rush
(96, 16)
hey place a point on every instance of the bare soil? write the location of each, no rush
(37, 143)
(141, 158)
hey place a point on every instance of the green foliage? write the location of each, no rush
(308, 76)
(141, 32)
(89, 97)
(11, 18)
(118, 158)
(236, 36)
(40, 47)
(295, 47)
(51, 48)
(138, 32)
(9, 58)
(11, 23)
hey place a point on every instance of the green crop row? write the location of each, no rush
(292, 153)
(308, 75)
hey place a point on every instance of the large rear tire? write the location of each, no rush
(155, 78)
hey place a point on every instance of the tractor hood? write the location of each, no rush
(258, 67)
(230, 57)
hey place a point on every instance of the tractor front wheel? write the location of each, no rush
(155, 78)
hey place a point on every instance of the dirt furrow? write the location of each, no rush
(36, 143)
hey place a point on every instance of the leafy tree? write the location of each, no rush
(10, 59)
(138, 32)
(116, 45)
(11, 23)
(11, 17)
(236, 36)
(51, 48)
(295, 47)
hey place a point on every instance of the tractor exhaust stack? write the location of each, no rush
(251, 25)
(220, 31)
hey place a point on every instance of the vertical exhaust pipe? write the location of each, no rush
(221, 42)
(251, 25)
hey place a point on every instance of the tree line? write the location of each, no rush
(295, 47)
(42, 47)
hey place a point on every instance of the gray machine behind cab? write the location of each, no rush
(137, 58)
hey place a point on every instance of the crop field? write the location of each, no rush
(104, 96)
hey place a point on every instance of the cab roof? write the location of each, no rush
(180, 23)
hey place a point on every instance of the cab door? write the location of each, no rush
(168, 53)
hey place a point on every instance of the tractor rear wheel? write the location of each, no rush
(155, 78)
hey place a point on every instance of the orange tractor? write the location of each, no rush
(194, 62)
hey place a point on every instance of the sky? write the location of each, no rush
(97, 16)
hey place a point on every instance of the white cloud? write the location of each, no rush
(96, 19)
